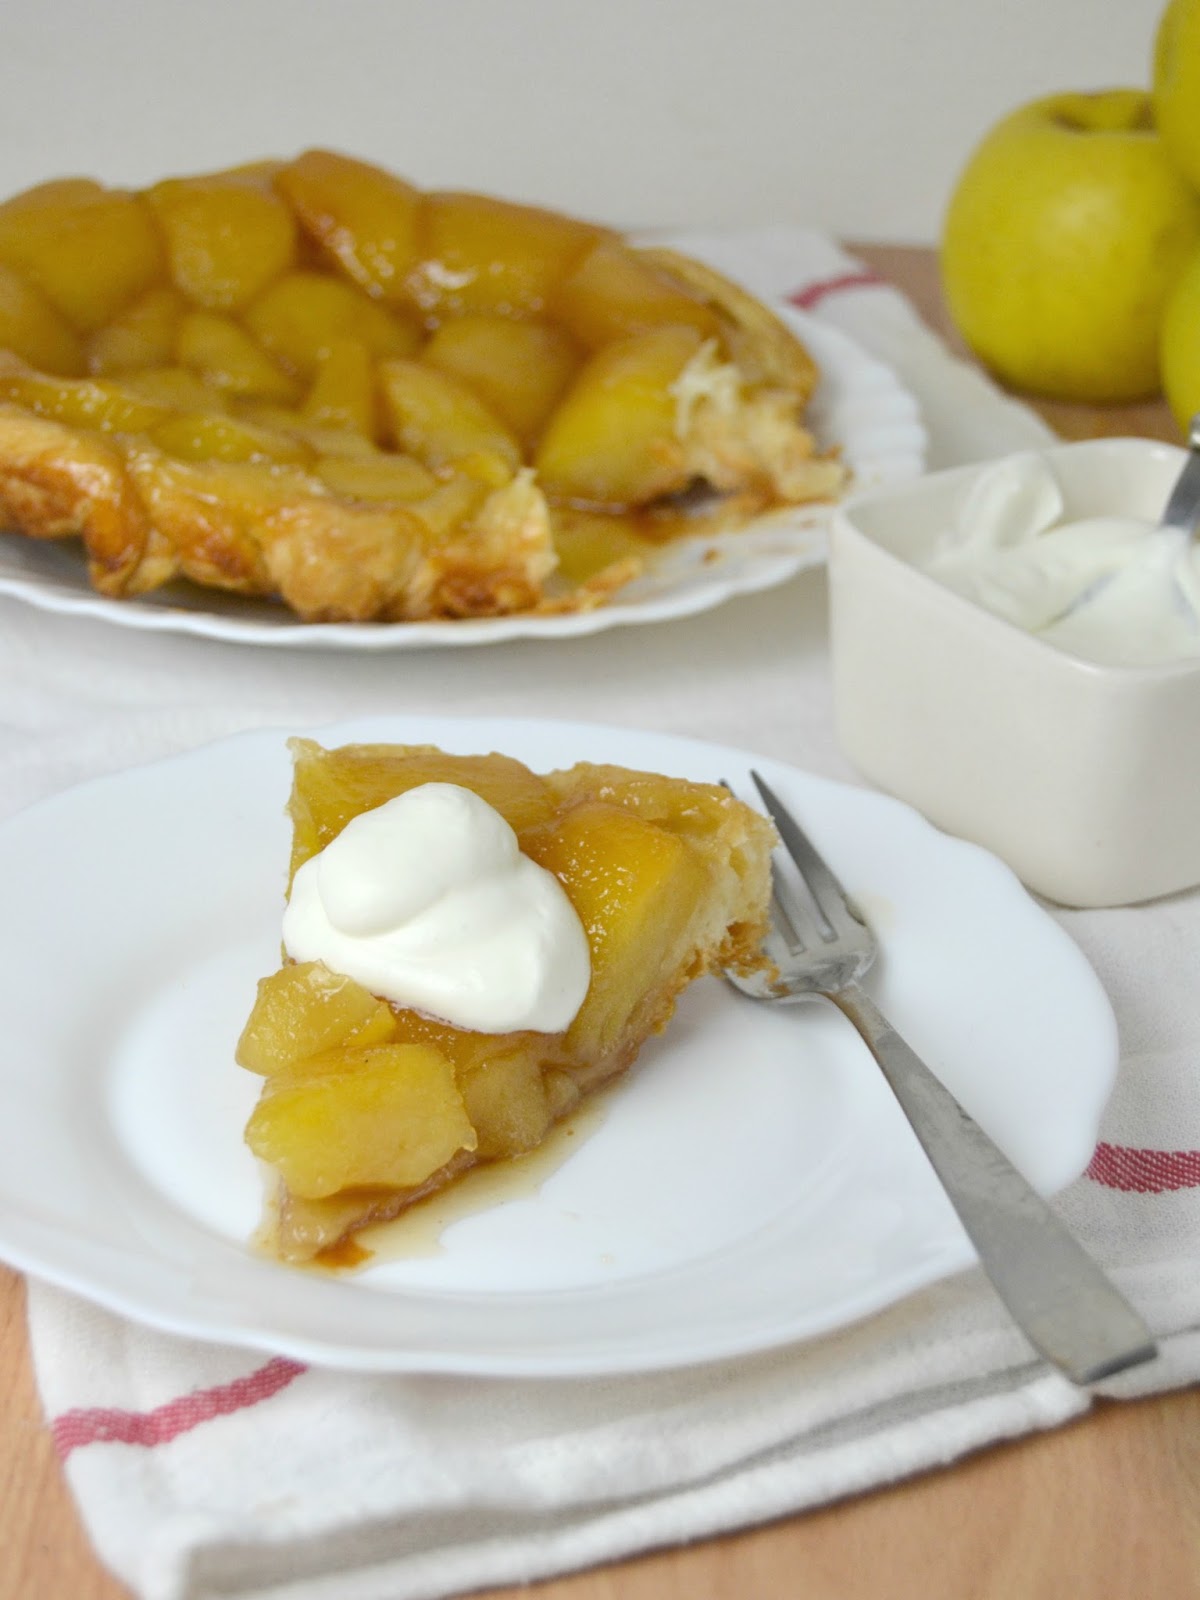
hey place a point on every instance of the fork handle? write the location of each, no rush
(1054, 1291)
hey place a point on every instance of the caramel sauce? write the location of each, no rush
(346, 1253)
(418, 1231)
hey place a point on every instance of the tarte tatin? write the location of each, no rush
(366, 1106)
(310, 381)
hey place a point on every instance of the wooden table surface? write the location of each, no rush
(1106, 1507)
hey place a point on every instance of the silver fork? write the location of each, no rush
(1055, 1293)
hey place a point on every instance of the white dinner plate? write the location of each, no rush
(860, 405)
(750, 1183)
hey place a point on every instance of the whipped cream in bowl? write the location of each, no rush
(1116, 589)
(1015, 651)
(428, 902)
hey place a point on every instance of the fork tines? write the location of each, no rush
(815, 908)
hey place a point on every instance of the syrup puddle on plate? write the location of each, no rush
(419, 1231)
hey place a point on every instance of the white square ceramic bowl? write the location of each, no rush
(1084, 778)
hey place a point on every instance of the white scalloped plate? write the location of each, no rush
(750, 1183)
(859, 404)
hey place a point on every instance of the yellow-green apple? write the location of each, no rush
(1177, 85)
(1064, 235)
(1181, 345)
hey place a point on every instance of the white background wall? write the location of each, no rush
(853, 115)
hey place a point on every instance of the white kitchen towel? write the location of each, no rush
(204, 1471)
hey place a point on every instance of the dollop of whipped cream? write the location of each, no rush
(427, 901)
(1116, 590)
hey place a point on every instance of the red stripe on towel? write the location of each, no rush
(813, 293)
(95, 1425)
(1119, 1166)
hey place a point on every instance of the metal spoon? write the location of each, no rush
(1183, 508)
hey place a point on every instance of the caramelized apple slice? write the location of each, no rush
(176, 387)
(389, 1114)
(593, 542)
(520, 370)
(31, 328)
(89, 249)
(613, 440)
(95, 403)
(506, 1100)
(304, 313)
(228, 235)
(142, 336)
(364, 218)
(285, 419)
(636, 888)
(381, 477)
(439, 420)
(331, 786)
(452, 502)
(614, 292)
(303, 1011)
(481, 255)
(210, 436)
(343, 393)
(227, 357)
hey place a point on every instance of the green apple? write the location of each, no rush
(1181, 345)
(1064, 235)
(1177, 85)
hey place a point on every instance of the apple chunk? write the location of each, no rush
(31, 328)
(303, 1010)
(518, 369)
(89, 250)
(613, 440)
(391, 1114)
(440, 421)
(228, 235)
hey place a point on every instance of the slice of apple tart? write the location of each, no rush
(512, 998)
(311, 381)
